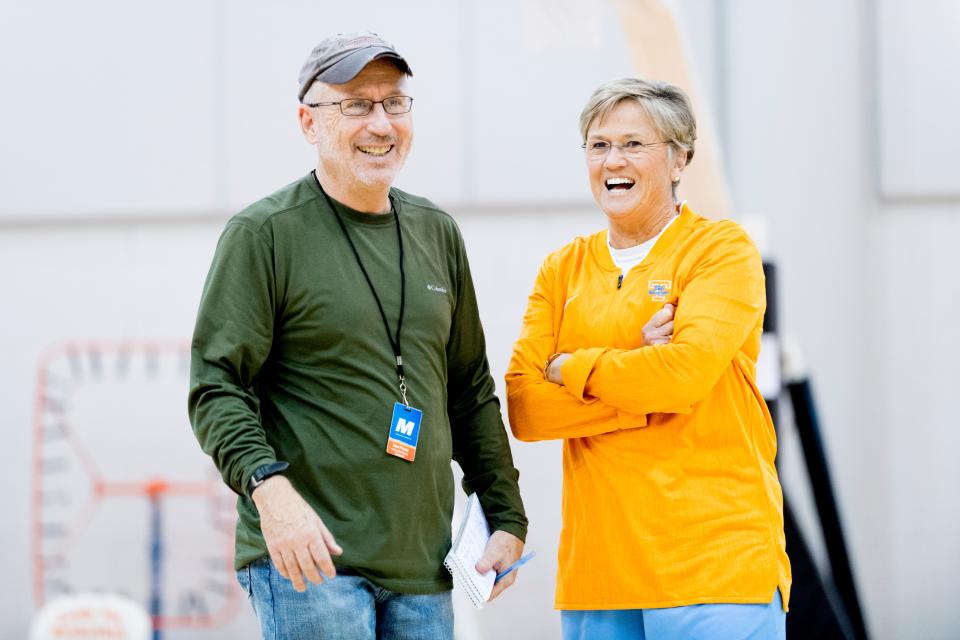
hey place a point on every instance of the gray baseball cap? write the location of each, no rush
(338, 59)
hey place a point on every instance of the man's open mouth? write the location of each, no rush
(375, 150)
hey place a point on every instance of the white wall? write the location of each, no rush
(130, 133)
(836, 132)
(915, 271)
(918, 286)
(102, 283)
(796, 139)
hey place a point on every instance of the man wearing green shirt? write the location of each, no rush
(338, 365)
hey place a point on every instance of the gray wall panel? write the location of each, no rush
(106, 108)
(918, 48)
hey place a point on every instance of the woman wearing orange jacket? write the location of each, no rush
(672, 510)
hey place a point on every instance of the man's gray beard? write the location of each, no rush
(375, 179)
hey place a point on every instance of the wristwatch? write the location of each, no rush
(263, 472)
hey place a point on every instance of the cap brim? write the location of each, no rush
(347, 69)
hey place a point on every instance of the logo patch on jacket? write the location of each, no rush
(659, 290)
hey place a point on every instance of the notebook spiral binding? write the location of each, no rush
(459, 573)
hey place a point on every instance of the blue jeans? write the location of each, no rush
(349, 607)
(694, 622)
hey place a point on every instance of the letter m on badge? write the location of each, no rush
(659, 290)
(405, 426)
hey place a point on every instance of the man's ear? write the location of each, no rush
(308, 124)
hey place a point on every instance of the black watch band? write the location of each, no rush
(263, 472)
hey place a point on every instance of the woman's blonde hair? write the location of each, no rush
(667, 106)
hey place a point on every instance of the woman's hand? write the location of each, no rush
(659, 330)
(552, 371)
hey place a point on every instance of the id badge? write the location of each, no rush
(404, 431)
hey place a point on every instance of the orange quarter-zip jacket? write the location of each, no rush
(670, 494)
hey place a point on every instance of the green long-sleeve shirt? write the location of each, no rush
(291, 361)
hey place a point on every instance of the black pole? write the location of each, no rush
(156, 565)
(770, 327)
(815, 610)
(808, 428)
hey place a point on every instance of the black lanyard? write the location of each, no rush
(394, 341)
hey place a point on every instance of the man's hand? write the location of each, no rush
(659, 330)
(503, 549)
(298, 541)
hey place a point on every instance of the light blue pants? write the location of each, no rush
(694, 622)
(349, 607)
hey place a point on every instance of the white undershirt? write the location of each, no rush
(630, 257)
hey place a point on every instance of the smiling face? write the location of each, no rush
(628, 185)
(359, 153)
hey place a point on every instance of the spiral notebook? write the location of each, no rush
(467, 549)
